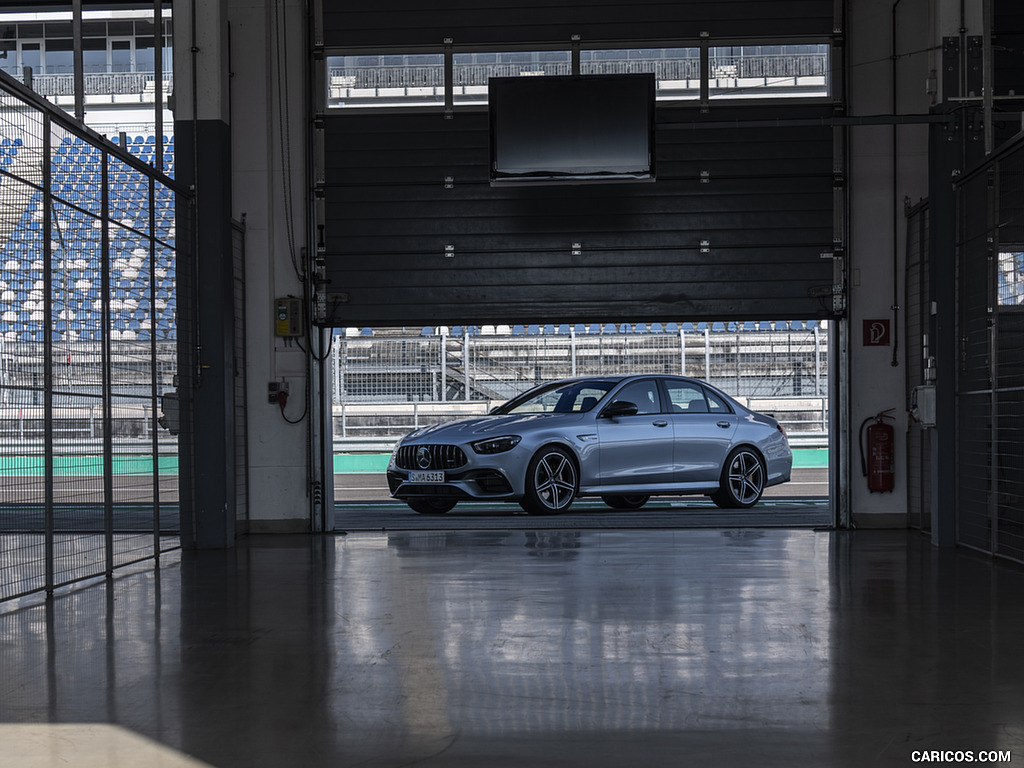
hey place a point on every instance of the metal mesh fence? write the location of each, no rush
(387, 380)
(990, 379)
(87, 347)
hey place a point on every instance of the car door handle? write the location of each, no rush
(725, 424)
(661, 423)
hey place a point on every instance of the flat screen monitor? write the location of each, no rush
(571, 130)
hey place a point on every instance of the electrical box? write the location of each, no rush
(274, 388)
(922, 405)
(288, 317)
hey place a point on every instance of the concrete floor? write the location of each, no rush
(738, 647)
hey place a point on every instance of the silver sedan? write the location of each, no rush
(623, 439)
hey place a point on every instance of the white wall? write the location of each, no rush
(885, 166)
(278, 494)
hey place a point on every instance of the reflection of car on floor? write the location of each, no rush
(623, 439)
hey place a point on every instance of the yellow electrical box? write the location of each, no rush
(288, 316)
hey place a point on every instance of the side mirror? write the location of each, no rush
(620, 408)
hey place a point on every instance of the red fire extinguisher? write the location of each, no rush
(879, 465)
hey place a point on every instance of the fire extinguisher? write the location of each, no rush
(879, 465)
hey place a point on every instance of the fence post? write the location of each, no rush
(336, 361)
(572, 349)
(444, 367)
(682, 350)
(707, 354)
(465, 362)
(817, 361)
(738, 361)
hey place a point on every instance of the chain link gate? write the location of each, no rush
(990, 375)
(87, 348)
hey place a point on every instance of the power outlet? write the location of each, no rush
(273, 388)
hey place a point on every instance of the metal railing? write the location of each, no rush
(781, 74)
(142, 84)
(388, 383)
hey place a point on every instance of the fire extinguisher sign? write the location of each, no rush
(876, 333)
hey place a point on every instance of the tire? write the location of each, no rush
(551, 482)
(742, 482)
(634, 501)
(431, 505)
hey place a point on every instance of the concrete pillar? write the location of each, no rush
(205, 282)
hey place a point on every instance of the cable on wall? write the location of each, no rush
(284, 132)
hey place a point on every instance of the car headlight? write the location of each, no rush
(496, 444)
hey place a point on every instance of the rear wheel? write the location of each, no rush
(551, 482)
(634, 501)
(431, 506)
(742, 481)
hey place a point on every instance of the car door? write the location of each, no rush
(704, 426)
(636, 450)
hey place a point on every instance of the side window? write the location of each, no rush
(644, 394)
(717, 404)
(686, 397)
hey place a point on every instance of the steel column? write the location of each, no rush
(106, 358)
(48, 353)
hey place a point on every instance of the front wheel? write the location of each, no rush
(634, 501)
(551, 482)
(431, 506)
(742, 480)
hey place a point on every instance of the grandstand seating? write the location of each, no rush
(137, 311)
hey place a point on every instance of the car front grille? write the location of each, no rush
(414, 457)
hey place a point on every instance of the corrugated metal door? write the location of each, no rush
(735, 227)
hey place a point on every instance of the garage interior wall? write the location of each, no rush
(888, 164)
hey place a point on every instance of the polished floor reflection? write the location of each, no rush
(540, 648)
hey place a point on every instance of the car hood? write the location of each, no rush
(485, 426)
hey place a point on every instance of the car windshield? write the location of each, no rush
(560, 397)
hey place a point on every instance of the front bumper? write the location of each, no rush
(465, 484)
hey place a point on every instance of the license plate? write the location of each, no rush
(426, 477)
